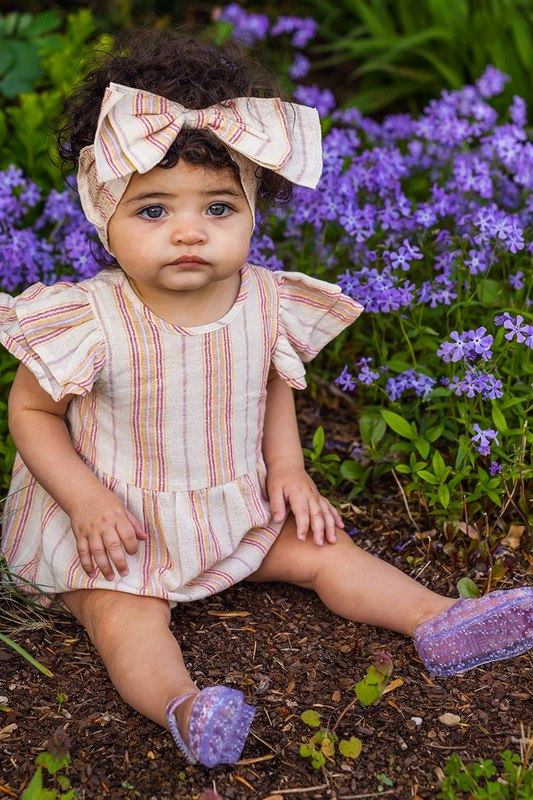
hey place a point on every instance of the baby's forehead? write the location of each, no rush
(187, 177)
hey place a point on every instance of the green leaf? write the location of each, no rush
(404, 469)
(428, 477)
(306, 751)
(352, 470)
(444, 495)
(488, 291)
(498, 419)
(467, 588)
(34, 789)
(372, 429)
(318, 760)
(422, 445)
(350, 748)
(52, 763)
(311, 718)
(398, 424)
(318, 440)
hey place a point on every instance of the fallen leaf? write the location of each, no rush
(336, 696)
(230, 613)
(513, 537)
(449, 719)
(469, 530)
(393, 685)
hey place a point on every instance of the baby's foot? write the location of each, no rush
(477, 631)
(218, 724)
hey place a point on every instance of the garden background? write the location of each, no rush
(415, 421)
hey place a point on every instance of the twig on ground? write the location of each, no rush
(406, 504)
(302, 789)
(348, 707)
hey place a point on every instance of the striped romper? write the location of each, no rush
(169, 418)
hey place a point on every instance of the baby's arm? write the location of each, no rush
(287, 479)
(101, 523)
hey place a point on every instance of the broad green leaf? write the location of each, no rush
(398, 424)
(311, 718)
(438, 464)
(352, 470)
(435, 433)
(428, 477)
(488, 291)
(444, 495)
(350, 748)
(306, 751)
(499, 419)
(422, 445)
(318, 761)
(34, 790)
(52, 763)
(318, 440)
(467, 588)
(403, 468)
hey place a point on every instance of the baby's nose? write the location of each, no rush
(188, 230)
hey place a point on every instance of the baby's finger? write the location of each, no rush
(127, 535)
(329, 520)
(140, 533)
(98, 551)
(115, 553)
(301, 517)
(338, 519)
(85, 558)
(317, 522)
(277, 504)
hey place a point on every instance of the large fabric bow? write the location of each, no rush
(136, 128)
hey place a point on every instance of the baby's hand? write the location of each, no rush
(104, 528)
(310, 508)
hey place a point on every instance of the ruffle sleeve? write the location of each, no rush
(312, 312)
(54, 332)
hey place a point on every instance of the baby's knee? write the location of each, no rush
(104, 613)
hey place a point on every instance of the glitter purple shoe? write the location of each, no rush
(219, 722)
(477, 631)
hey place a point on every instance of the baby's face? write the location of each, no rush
(169, 214)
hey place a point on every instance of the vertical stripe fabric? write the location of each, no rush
(169, 418)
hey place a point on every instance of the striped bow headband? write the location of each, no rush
(136, 128)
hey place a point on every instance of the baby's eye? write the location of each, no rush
(220, 209)
(152, 212)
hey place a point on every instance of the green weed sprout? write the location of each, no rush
(321, 745)
(479, 780)
(55, 761)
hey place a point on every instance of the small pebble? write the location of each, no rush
(449, 719)
(417, 720)
(3, 700)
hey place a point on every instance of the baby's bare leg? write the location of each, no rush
(350, 581)
(142, 657)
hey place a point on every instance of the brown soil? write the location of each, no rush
(288, 655)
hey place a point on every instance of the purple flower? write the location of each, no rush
(458, 348)
(248, 28)
(515, 328)
(477, 261)
(495, 467)
(491, 82)
(483, 438)
(300, 67)
(480, 343)
(516, 280)
(321, 99)
(345, 380)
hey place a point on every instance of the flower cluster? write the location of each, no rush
(47, 247)
(251, 28)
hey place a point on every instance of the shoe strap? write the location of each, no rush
(175, 728)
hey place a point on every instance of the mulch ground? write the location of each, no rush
(288, 654)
